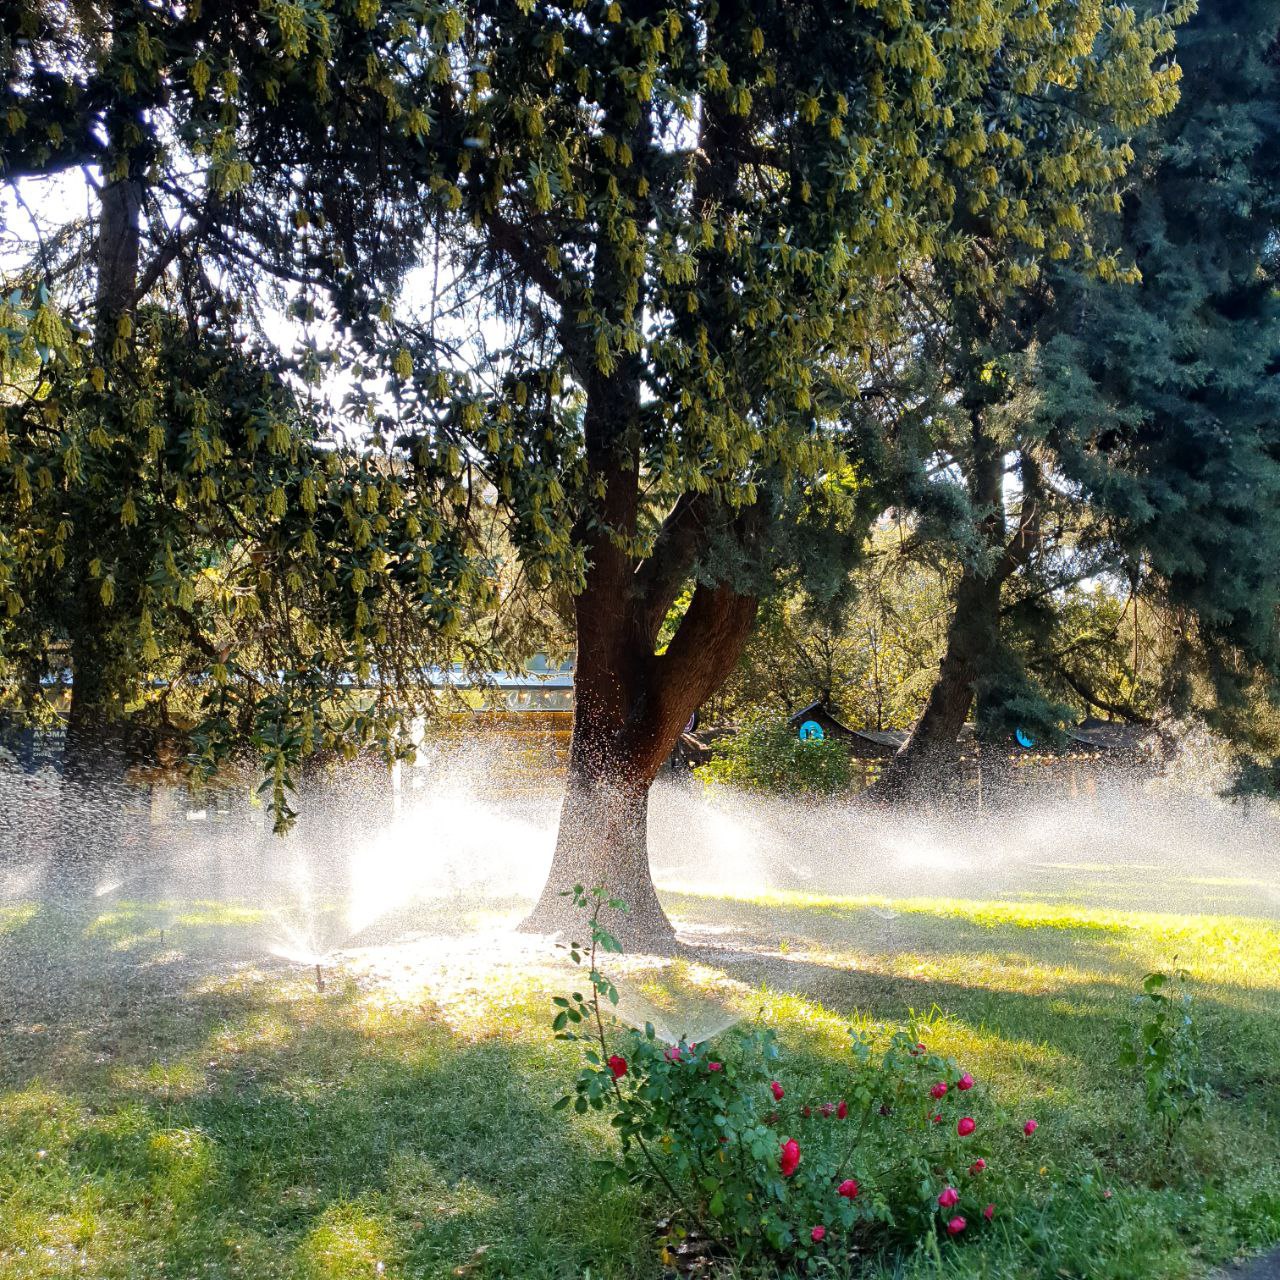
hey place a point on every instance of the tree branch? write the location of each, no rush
(1027, 535)
(658, 578)
(1092, 699)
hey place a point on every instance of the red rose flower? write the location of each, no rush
(978, 1165)
(778, 1091)
(939, 1090)
(965, 1126)
(1030, 1127)
(848, 1188)
(618, 1065)
(816, 1234)
(950, 1196)
(965, 1082)
(842, 1109)
(715, 1066)
(956, 1226)
(789, 1159)
(989, 1212)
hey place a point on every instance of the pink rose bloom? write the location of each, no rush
(673, 1053)
(842, 1109)
(778, 1091)
(789, 1159)
(956, 1226)
(848, 1188)
(989, 1212)
(715, 1066)
(817, 1234)
(827, 1109)
(618, 1065)
(950, 1196)
(939, 1090)
(965, 1082)
(804, 1111)
(966, 1126)
(1030, 1127)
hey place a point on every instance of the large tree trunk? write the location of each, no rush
(93, 761)
(630, 707)
(928, 761)
(630, 702)
(603, 842)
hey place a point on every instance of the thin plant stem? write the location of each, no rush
(704, 1227)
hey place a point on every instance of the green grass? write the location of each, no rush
(163, 1118)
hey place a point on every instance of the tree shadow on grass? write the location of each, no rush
(1068, 947)
(311, 1136)
(1063, 989)
(253, 1126)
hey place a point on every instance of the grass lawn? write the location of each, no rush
(162, 1117)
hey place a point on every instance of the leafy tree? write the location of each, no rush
(681, 226)
(706, 208)
(175, 496)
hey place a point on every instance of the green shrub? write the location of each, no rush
(1166, 1049)
(769, 756)
(759, 1171)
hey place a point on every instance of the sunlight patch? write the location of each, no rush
(346, 1241)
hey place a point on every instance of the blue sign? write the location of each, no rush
(1024, 738)
(811, 731)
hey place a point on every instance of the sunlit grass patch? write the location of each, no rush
(346, 1240)
(13, 915)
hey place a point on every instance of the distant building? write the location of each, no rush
(864, 744)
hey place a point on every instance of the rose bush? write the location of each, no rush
(760, 1168)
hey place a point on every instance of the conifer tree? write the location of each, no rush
(1163, 401)
(1139, 420)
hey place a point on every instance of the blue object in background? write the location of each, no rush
(1024, 738)
(811, 731)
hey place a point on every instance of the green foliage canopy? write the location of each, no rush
(687, 222)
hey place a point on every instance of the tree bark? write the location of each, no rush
(928, 760)
(93, 761)
(630, 707)
(630, 702)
